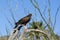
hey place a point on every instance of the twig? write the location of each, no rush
(37, 7)
(44, 11)
(56, 16)
(49, 15)
(8, 20)
(11, 11)
(12, 15)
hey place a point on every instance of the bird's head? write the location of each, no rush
(29, 15)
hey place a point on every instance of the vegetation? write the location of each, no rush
(39, 30)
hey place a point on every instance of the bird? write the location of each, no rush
(23, 21)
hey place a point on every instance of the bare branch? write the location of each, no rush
(8, 20)
(11, 11)
(37, 7)
(12, 15)
(49, 16)
(56, 16)
(44, 12)
(7, 31)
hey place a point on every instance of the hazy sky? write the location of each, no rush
(21, 8)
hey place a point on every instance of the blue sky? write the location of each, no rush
(21, 8)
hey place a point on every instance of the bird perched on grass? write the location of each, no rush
(23, 21)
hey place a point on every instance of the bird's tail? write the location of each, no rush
(15, 25)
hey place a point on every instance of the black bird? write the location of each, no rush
(23, 21)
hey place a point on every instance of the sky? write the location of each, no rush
(21, 8)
